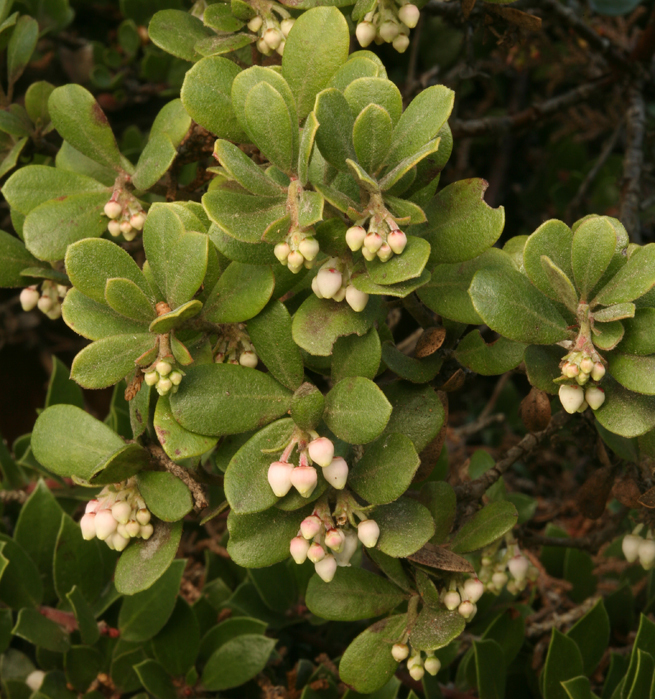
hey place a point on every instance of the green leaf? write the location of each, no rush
(367, 665)
(435, 628)
(174, 319)
(155, 680)
(414, 370)
(420, 122)
(79, 119)
(563, 662)
(166, 496)
(405, 526)
(356, 410)
(82, 666)
(393, 177)
(633, 372)
(511, 306)
(270, 333)
(177, 32)
(15, 258)
(625, 413)
(608, 335)
(21, 47)
(592, 634)
(176, 646)
(220, 17)
(220, 399)
(240, 294)
(361, 177)
(218, 45)
(44, 633)
(334, 135)
(356, 356)
(461, 224)
(374, 90)
(318, 323)
(488, 658)
(633, 280)
(561, 285)
(61, 389)
(173, 121)
(246, 479)
(177, 442)
(237, 661)
(262, 539)
(242, 169)
(20, 582)
(307, 139)
(439, 498)
(154, 161)
(353, 594)
(314, 50)
(145, 614)
(386, 470)
(307, 407)
(86, 623)
(227, 630)
(206, 95)
(144, 562)
(639, 335)
(592, 250)
(105, 362)
(508, 630)
(126, 298)
(491, 359)
(617, 312)
(372, 136)
(643, 675)
(554, 239)
(400, 268)
(485, 527)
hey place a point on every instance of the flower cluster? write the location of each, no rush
(125, 214)
(118, 515)
(163, 377)
(381, 241)
(333, 281)
(582, 367)
(416, 666)
(271, 31)
(48, 300)
(297, 251)
(506, 567)
(388, 22)
(236, 348)
(637, 547)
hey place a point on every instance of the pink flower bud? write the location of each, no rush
(598, 371)
(499, 580)
(315, 553)
(389, 31)
(432, 665)
(309, 248)
(336, 474)
(121, 511)
(630, 546)
(113, 209)
(397, 241)
(400, 651)
(409, 15)
(335, 539)
(281, 251)
(385, 253)
(88, 526)
(401, 43)
(466, 609)
(326, 568)
(279, 477)
(304, 480)
(329, 281)
(146, 531)
(452, 600)
(119, 542)
(356, 299)
(105, 524)
(133, 528)
(365, 33)
(321, 451)
(143, 516)
(126, 229)
(114, 228)
(29, 298)
(298, 549)
(368, 532)
(587, 365)
(595, 396)
(571, 397)
(92, 506)
(570, 370)
(355, 237)
(310, 526)
(518, 567)
(348, 550)
(373, 242)
(248, 359)
(473, 589)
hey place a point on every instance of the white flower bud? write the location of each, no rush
(272, 37)
(54, 312)
(143, 516)
(45, 303)
(298, 549)
(397, 241)
(137, 221)
(114, 228)
(598, 371)
(630, 546)
(309, 247)
(163, 368)
(335, 539)
(385, 253)
(315, 288)
(368, 532)
(355, 237)
(356, 299)
(315, 552)
(119, 542)
(432, 665)
(583, 407)
(368, 254)
(280, 48)
(310, 526)
(146, 531)
(175, 377)
(295, 261)
(121, 511)
(473, 589)
(279, 477)
(248, 359)
(133, 528)
(321, 451)
(113, 209)
(62, 291)
(92, 506)
(88, 526)
(264, 48)
(336, 474)
(105, 524)
(281, 251)
(286, 25)
(255, 23)
(373, 242)
(518, 567)
(571, 397)
(304, 480)
(647, 553)
(348, 550)
(340, 295)
(595, 396)
(126, 229)
(401, 43)
(29, 298)
(499, 580)
(365, 33)
(164, 386)
(416, 672)
(326, 568)
(122, 530)
(389, 31)
(452, 600)
(408, 15)
(400, 651)
(35, 679)
(329, 281)
(466, 609)
(587, 365)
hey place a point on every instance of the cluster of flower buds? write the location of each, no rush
(380, 241)
(388, 23)
(637, 547)
(298, 251)
(272, 32)
(331, 546)
(463, 596)
(163, 376)
(576, 399)
(118, 515)
(581, 367)
(507, 567)
(333, 281)
(236, 350)
(125, 215)
(416, 665)
(48, 300)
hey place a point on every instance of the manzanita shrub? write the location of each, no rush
(263, 402)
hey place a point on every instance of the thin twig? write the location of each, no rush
(558, 621)
(197, 490)
(633, 162)
(481, 423)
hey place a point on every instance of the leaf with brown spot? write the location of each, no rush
(429, 342)
(441, 558)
